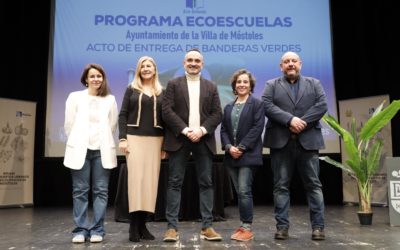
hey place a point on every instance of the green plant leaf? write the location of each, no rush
(363, 159)
(357, 169)
(379, 120)
(374, 157)
(362, 175)
(379, 108)
(353, 130)
(349, 142)
(337, 164)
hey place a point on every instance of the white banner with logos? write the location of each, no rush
(361, 109)
(17, 137)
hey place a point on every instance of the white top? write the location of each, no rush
(94, 122)
(194, 98)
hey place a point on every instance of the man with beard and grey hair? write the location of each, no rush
(294, 105)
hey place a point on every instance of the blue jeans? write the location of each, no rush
(177, 166)
(80, 195)
(283, 162)
(242, 178)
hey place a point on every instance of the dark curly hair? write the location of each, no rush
(236, 75)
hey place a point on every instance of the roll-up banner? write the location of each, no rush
(361, 109)
(17, 137)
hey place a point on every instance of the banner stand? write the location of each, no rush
(17, 141)
(361, 110)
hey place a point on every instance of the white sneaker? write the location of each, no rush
(79, 238)
(96, 238)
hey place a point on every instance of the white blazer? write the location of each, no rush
(77, 130)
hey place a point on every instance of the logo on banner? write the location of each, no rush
(194, 7)
(395, 191)
(21, 114)
(194, 4)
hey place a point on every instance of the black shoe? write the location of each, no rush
(318, 234)
(145, 234)
(282, 234)
(134, 235)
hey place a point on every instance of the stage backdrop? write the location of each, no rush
(232, 34)
(17, 136)
(361, 109)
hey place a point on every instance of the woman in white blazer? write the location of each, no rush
(90, 120)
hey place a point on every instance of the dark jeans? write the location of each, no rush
(283, 163)
(177, 166)
(242, 179)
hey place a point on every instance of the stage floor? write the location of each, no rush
(50, 227)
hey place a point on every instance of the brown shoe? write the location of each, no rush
(318, 234)
(171, 235)
(210, 234)
(282, 234)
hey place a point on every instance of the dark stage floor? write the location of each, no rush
(49, 228)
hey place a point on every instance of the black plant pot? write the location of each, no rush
(365, 218)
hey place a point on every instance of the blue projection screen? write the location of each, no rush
(232, 34)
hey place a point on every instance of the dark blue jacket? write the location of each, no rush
(250, 128)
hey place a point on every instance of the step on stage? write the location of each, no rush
(50, 227)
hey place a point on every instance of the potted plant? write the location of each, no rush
(364, 151)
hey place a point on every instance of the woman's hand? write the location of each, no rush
(164, 155)
(235, 152)
(123, 146)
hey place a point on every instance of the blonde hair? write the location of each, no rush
(137, 80)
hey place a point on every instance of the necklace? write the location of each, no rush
(241, 101)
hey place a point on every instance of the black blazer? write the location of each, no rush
(129, 115)
(250, 128)
(175, 112)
